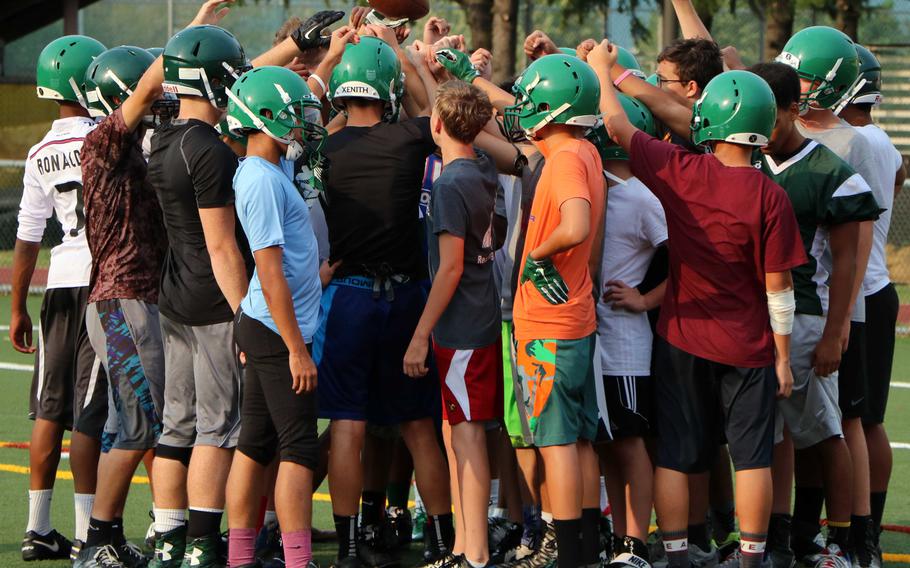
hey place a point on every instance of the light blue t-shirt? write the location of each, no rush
(273, 213)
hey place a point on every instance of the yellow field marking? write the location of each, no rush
(903, 558)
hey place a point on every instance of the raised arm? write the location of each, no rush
(689, 21)
(602, 58)
(307, 36)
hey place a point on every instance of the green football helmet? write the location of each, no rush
(736, 106)
(273, 100)
(870, 71)
(61, 68)
(826, 57)
(638, 115)
(155, 51)
(569, 51)
(203, 61)
(557, 89)
(627, 60)
(368, 70)
(112, 76)
(653, 80)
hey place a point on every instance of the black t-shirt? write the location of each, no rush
(373, 195)
(191, 169)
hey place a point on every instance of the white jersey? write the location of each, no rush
(635, 225)
(886, 161)
(53, 184)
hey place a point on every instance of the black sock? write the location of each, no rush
(698, 535)
(568, 543)
(877, 499)
(723, 522)
(590, 536)
(676, 547)
(752, 549)
(117, 537)
(398, 493)
(839, 534)
(99, 532)
(346, 532)
(779, 531)
(807, 506)
(440, 532)
(203, 523)
(372, 505)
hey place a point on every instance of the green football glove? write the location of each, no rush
(458, 64)
(546, 279)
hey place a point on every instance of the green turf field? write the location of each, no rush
(15, 427)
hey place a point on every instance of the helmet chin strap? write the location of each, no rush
(78, 92)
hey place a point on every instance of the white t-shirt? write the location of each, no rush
(635, 226)
(886, 160)
(53, 183)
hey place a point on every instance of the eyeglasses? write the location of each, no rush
(661, 81)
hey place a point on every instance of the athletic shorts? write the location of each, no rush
(202, 385)
(558, 395)
(881, 319)
(516, 421)
(851, 377)
(128, 333)
(275, 418)
(69, 386)
(628, 405)
(471, 383)
(698, 401)
(811, 413)
(359, 348)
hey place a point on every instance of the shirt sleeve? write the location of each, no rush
(653, 221)
(780, 234)
(652, 161)
(261, 211)
(35, 208)
(571, 178)
(449, 212)
(106, 145)
(426, 134)
(211, 168)
(852, 200)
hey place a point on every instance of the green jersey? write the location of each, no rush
(825, 191)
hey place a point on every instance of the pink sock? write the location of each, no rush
(241, 547)
(298, 548)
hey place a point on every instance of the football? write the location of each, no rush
(411, 9)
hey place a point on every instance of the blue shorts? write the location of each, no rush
(359, 349)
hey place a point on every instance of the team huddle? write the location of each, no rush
(556, 304)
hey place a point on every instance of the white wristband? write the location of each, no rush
(781, 309)
(321, 83)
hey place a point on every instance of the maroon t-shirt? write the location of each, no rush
(123, 223)
(727, 227)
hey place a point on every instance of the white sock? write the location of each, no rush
(546, 517)
(167, 520)
(494, 494)
(39, 511)
(604, 500)
(83, 504)
(476, 564)
(271, 519)
(499, 513)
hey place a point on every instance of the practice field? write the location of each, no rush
(15, 376)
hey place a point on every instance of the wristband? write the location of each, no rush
(321, 83)
(622, 77)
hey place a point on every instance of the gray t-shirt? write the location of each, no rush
(852, 147)
(462, 204)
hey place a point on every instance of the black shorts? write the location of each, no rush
(700, 401)
(881, 319)
(274, 418)
(851, 377)
(69, 386)
(629, 405)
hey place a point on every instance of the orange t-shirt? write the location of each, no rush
(573, 170)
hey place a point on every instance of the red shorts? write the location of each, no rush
(471, 383)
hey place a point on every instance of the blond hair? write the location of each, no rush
(464, 110)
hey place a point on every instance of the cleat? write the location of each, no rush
(447, 560)
(268, 543)
(104, 556)
(51, 546)
(504, 536)
(396, 529)
(132, 556)
(347, 562)
(169, 549)
(543, 557)
(203, 552)
(150, 533)
(699, 558)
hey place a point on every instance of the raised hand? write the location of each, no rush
(538, 44)
(309, 34)
(211, 12)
